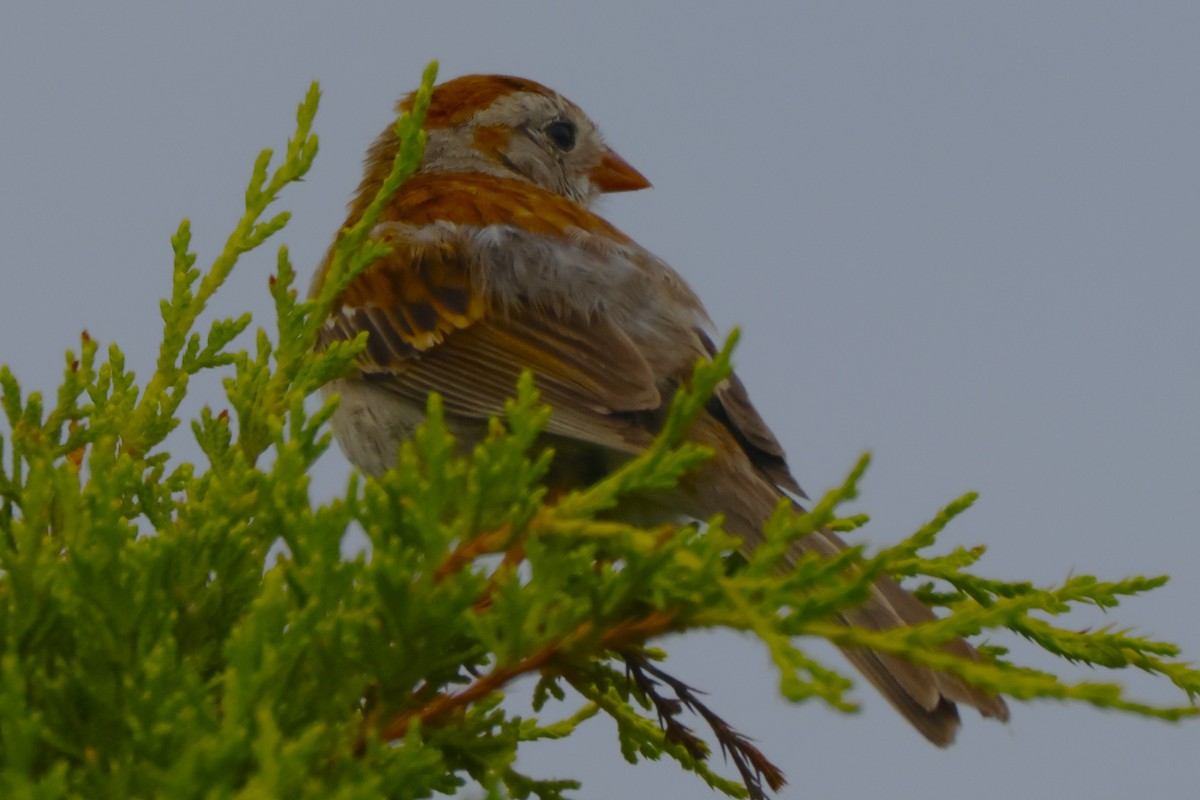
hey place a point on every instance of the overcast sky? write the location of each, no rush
(965, 236)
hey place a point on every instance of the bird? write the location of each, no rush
(498, 265)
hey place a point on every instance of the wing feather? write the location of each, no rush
(432, 327)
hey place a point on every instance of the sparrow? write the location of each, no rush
(497, 265)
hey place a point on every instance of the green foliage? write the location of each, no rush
(149, 647)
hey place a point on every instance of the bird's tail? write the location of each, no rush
(925, 697)
(746, 492)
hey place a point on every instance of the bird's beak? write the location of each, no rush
(613, 174)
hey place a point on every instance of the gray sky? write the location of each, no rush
(963, 236)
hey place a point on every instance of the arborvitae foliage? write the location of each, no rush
(150, 645)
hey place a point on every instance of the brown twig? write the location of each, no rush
(631, 633)
(443, 705)
(753, 766)
(626, 638)
(471, 549)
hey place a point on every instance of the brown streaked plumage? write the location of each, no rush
(498, 266)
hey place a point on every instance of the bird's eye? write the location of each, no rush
(562, 133)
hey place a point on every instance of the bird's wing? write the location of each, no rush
(452, 309)
(731, 406)
(489, 277)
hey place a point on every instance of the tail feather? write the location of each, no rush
(746, 493)
(924, 696)
(933, 716)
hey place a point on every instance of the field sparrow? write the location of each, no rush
(497, 266)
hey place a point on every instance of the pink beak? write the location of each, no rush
(613, 174)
